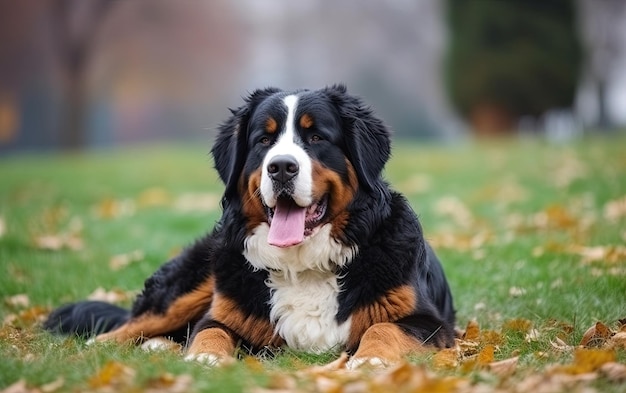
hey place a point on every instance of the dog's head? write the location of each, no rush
(296, 160)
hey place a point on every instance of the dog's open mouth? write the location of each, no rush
(290, 223)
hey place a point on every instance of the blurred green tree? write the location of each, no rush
(511, 58)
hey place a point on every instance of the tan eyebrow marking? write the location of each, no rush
(271, 125)
(306, 121)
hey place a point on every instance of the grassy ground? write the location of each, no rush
(531, 236)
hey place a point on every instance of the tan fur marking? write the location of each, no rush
(326, 181)
(251, 202)
(259, 332)
(213, 341)
(271, 125)
(395, 304)
(182, 311)
(306, 121)
(388, 342)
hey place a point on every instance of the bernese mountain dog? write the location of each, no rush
(313, 251)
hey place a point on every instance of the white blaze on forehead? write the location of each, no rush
(289, 143)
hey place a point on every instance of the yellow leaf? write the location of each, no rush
(446, 359)
(486, 355)
(586, 361)
(112, 374)
(472, 331)
(519, 325)
(153, 197)
(491, 337)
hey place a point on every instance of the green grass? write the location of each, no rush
(508, 219)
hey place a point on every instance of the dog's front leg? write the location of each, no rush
(212, 346)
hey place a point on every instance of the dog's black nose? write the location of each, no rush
(283, 168)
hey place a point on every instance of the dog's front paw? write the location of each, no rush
(209, 359)
(367, 362)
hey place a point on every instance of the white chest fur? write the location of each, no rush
(304, 310)
(304, 287)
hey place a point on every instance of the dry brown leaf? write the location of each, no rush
(453, 207)
(446, 359)
(112, 296)
(618, 341)
(199, 202)
(486, 355)
(52, 386)
(615, 372)
(154, 196)
(504, 368)
(472, 331)
(561, 345)
(169, 383)
(516, 291)
(120, 261)
(27, 317)
(17, 301)
(596, 336)
(586, 361)
(18, 387)
(518, 325)
(491, 337)
(113, 208)
(3, 227)
(56, 242)
(616, 209)
(112, 374)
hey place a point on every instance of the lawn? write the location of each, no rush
(532, 237)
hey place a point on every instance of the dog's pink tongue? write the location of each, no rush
(287, 227)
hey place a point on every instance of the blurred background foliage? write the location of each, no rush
(77, 74)
(512, 58)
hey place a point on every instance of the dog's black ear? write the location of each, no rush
(368, 141)
(230, 147)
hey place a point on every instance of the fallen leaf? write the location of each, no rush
(486, 355)
(16, 301)
(169, 383)
(586, 361)
(152, 197)
(615, 372)
(516, 292)
(60, 241)
(491, 337)
(112, 374)
(17, 387)
(518, 325)
(112, 296)
(113, 208)
(596, 336)
(618, 341)
(615, 209)
(120, 261)
(504, 368)
(53, 386)
(453, 207)
(3, 227)
(532, 336)
(561, 345)
(198, 202)
(446, 359)
(472, 331)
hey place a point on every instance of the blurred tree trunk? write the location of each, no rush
(75, 25)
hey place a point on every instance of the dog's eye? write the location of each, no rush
(264, 140)
(315, 138)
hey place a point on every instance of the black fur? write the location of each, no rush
(392, 249)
